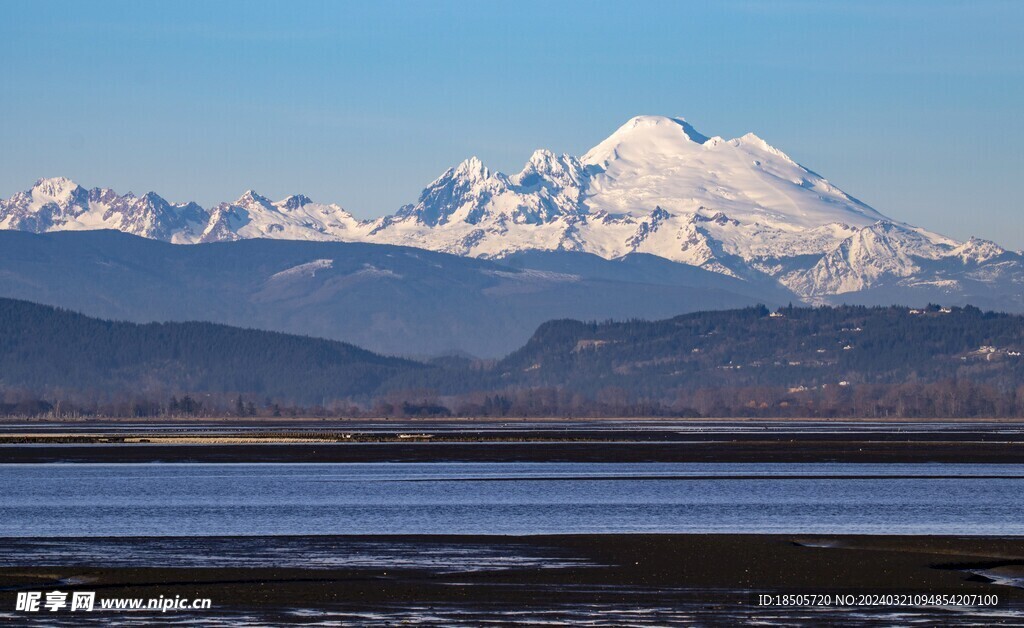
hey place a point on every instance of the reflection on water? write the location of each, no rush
(118, 500)
(314, 552)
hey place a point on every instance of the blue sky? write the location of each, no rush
(914, 107)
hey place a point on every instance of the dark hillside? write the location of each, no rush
(57, 352)
(843, 361)
(792, 347)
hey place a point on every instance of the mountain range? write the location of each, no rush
(389, 299)
(738, 208)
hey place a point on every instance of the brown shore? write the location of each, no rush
(522, 440)
(709, 576)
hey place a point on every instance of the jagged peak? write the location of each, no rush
(545, 163)
(54, 181)
(295, 201)
(660, 214)
(542, 155)
(543, 160)
(250, 196)
(57, 188)
(978, 250)
(106, 195)
(472, 168)
(152, 197)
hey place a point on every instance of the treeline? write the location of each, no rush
(26, 405)
(945, 399)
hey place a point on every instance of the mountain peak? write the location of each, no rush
(250, 196)
(55, 188)
(544, 161)
(560, 170)
(976, 250)
(472, 168)
(295, 201)
(643, 137)
(638, 124)
(151, 197)
(542, 156)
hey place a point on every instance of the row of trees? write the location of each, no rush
(944, 399)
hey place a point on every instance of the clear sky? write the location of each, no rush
(913, 107)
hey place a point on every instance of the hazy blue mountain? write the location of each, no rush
(389, 299)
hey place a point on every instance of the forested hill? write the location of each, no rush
(792, 347)
(841, 361)
(63, 354)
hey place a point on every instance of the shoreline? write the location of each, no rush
(526, 441)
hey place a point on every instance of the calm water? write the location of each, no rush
(121, 500)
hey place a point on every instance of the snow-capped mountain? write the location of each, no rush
(293, 218)
(738, 207)
(654, 186)
(60, 204)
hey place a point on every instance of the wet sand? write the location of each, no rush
(668, 578)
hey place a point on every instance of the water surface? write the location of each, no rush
(117, 500)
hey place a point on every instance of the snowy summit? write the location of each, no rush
(739, 207)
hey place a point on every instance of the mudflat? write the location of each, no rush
(655, 578)
(522, 440)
